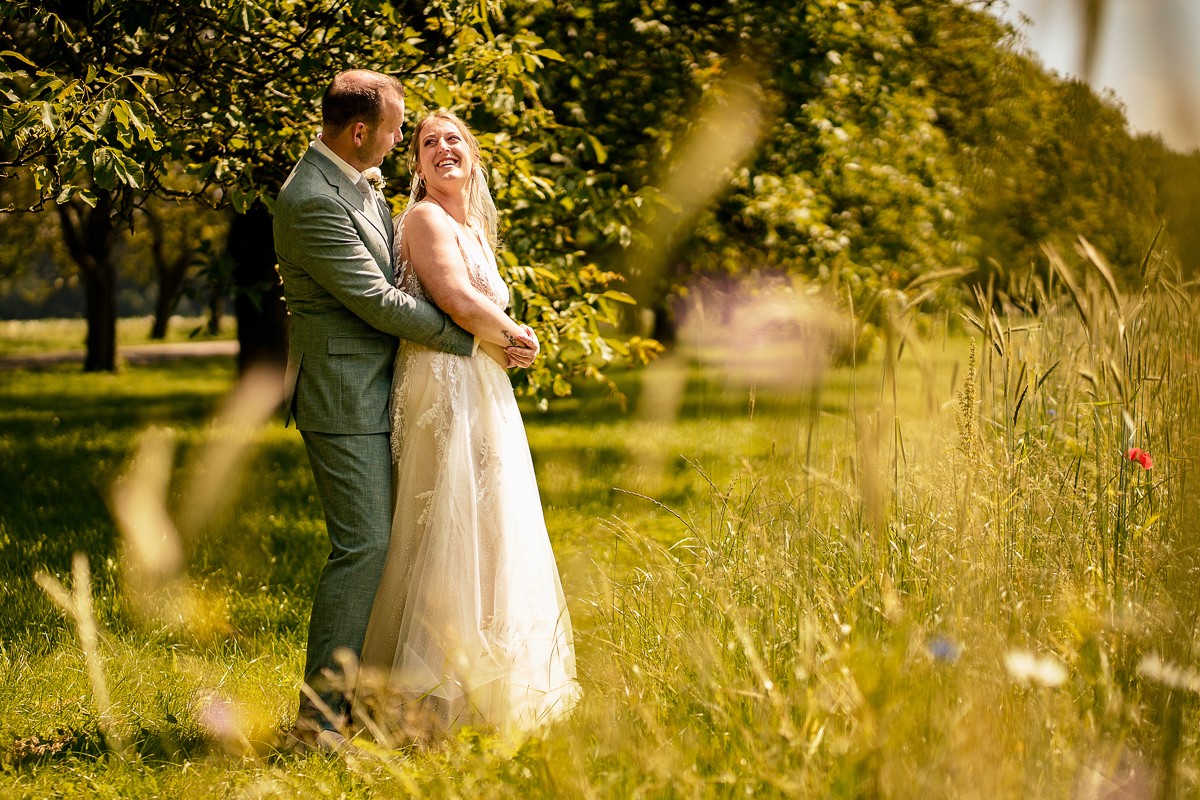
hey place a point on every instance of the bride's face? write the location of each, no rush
(443, 155)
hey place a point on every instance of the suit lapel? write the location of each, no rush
(351, 195)
(371, 218)
(385, 214)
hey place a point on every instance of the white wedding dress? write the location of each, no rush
(469, 625)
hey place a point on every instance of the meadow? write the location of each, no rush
(941, 572)
(22, 337)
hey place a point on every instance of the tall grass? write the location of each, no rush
(934, 575)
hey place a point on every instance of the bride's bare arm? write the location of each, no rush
(434, 253)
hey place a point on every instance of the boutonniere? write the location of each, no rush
(374, 177)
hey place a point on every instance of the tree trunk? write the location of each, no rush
(100, 289)
(262, 325)
(170, 282)
(216, 309)
(90, 235)
(170, 273)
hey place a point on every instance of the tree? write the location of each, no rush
(1176, 177)
(909, 140)
(173, 240)
(90, 236)
(851, 182)
(106, 97)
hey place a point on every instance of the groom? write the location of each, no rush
(333, 241)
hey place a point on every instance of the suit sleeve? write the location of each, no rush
(324, 242)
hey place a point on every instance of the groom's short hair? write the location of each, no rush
(357, 95)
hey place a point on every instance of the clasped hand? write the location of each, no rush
(521, 355)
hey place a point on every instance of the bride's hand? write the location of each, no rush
(537, 346)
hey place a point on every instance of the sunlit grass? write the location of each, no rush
(22, 337)
(885, 585)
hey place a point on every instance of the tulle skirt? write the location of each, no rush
(469, 625)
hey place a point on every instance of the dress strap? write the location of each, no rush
(399, 262)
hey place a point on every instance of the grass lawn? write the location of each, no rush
(935, 575)
(22, 337)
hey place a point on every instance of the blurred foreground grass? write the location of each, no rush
(933, 576)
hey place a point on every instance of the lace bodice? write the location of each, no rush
(482, 270)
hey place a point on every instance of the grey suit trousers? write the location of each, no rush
(354, 481)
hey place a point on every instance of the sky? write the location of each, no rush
(1146, 55)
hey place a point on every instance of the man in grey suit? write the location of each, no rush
(333, 240)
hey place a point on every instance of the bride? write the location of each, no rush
(469, 625)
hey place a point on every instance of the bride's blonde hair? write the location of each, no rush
(481, 209)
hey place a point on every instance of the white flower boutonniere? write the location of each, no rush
(374, 177)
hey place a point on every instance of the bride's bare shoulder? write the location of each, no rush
(425, 212)
(426, 219)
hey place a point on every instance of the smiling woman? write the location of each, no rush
(470, 625)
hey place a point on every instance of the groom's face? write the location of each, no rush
(387, 134)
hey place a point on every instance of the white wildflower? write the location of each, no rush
(1027, 667)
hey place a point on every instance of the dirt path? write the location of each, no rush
(131, 354)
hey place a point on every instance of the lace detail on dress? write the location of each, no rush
(484, 275)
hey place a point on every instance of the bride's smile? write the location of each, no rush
(444, 155)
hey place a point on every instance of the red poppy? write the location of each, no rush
(1141, 457)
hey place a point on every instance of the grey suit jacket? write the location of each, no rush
(346, 316)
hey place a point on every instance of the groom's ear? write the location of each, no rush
(358, 131)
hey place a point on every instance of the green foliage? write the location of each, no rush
(852, 180)
(1176, 176)
(113, 98)
(910, 146)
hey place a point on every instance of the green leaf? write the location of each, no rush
(546, 52)
(18, 56)
(598, 148)
(238, 199)
(87, 196)
(441, 93)
(104, 168)
(620, 297)
(129, 172)
(120, 110)
(102, 117)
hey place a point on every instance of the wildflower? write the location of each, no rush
(1027, 667)
(1153, 667)
(944, 649)
(1141, 457)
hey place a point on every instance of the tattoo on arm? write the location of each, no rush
(511, 341)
